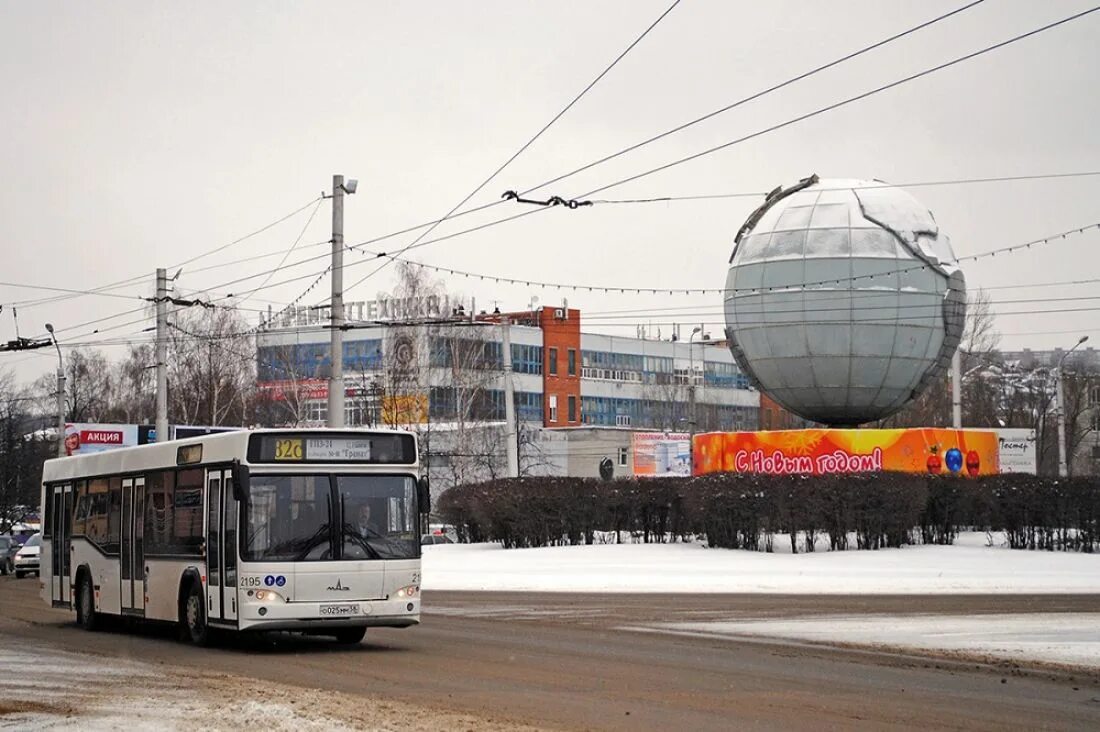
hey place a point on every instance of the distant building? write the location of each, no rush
(434, 368)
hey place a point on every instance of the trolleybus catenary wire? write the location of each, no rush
(525, 146)
(803, 117)
(137, 279)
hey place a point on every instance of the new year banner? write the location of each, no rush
(822, 451)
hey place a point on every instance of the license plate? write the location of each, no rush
(342, 610)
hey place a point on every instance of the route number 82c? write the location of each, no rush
(288, 449)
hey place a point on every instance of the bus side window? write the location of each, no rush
(186, 525)
(96, 524)
(158, 511)
(47, 506)
(114, 516)
(80, 507)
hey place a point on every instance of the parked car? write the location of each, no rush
(8, 547)
(26, 559)
(435, 538)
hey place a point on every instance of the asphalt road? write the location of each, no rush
(566, 661)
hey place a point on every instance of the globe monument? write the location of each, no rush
(844, 299)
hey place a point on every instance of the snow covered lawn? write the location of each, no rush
(1062, 638)
(969, 566)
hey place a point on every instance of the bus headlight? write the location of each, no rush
(408, 591)
(268, 596)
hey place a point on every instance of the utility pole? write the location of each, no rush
(336, 305)
(1063, 462)
(956, 390)
(512, 447)
(162, 355)
(691, 397)
(60, 395)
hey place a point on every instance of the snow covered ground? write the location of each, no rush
(969, 566)
(1071, 639)
(45, 688)
(977, 563)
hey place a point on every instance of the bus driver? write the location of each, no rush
(366, 526)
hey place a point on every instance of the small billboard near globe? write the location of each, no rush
(661, 453)
(825, 451)
(1017, 450)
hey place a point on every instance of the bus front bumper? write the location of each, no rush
(280, 615)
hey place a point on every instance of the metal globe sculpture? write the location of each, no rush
(844, 300)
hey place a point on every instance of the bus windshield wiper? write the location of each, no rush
(351, 535)
(311, 543)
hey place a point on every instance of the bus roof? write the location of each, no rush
(221, 447)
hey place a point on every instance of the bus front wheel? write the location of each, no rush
(194, 616)
(86, 616)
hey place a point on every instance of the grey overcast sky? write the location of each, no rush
(135, 135)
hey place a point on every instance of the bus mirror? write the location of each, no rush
(240, 481)
(424, 495)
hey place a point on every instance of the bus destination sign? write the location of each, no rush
(338, 449)
(332, 448)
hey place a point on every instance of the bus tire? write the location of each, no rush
(86, 616)
(195, 628)
(350, 636)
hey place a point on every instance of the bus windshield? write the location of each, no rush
(323, 517)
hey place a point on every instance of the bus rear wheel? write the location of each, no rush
(350, 636)
(195, 628)
(86, 616)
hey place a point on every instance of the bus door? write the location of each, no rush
(60, 517)
(221, 547)
(132, 559)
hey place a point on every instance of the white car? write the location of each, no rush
(26, 559)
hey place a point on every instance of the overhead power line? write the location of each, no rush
(757, 95)
(845, 102)
(764, 131)
(420, 242)
(105, 290)
(576, 287)
(526, 145)
(877, 184)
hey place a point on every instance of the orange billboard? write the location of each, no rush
(822, 451)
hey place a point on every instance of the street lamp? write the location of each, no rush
(1063, 464)
(691, 396)
(60, 395)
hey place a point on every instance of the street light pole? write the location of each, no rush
(336, 305)
(60, 395)
(1063, 463)
(691, 397)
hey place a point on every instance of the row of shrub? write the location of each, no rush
(749, 510)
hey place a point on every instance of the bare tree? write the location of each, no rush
(23, 449)
(981, 392)
(1078, 386)
(211, 368)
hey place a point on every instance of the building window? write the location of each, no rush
(572, 408)
(572, 355)
(553, 406)
(316, 411)
(553, 370)
(623, 452)
(1094, 396)
(622, 420)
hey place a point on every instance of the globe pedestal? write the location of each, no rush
(965, 453)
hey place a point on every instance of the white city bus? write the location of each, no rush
(302, 530)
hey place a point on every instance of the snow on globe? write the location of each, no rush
(844, 300)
